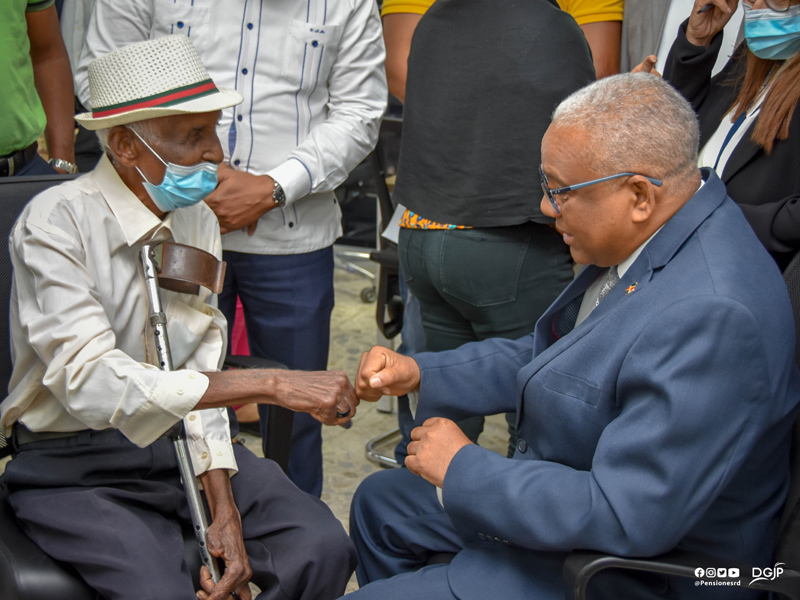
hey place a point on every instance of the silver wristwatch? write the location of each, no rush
(64, 165)
(278, 195)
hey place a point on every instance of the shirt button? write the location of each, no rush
(180, 24)
(180, 391)
(522, 445)
(192, 375)
(249, 25)
(204, 455)
(244, 71)
(236, 162)
(239, 118)
(291, 224)
(315, 43)
(192, 417)
(219, 452)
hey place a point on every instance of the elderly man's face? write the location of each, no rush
(181, 139)
(595, 221)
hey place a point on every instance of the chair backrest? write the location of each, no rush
(788, 547)
(15, 192)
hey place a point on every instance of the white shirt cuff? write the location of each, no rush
(294, 177)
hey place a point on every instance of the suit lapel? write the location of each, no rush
(745, 151)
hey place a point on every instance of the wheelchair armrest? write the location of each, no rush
(581, 566)
(278, 437)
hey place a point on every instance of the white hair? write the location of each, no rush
(635, 122)
(146, 128)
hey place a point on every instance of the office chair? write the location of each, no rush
(580, 567)
(26, 572)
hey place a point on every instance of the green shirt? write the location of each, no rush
(23, 117)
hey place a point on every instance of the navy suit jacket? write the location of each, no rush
(662, 420)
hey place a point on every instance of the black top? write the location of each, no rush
(765, 186)
(483, 79)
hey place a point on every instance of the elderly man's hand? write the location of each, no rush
(385, 372)
(240, 199)
(225, 541)
(328, 396)
(433, 445)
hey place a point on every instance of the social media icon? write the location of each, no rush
(699, 572)
(733, 572)
(722, 573)
(711, 572)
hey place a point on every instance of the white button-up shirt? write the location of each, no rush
(312, 76)
(81, 343)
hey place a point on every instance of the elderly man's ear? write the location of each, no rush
(121, 143)
(643, 195)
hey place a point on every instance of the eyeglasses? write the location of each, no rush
(776, 5)
(551, 194)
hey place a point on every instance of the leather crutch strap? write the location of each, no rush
(184, 269)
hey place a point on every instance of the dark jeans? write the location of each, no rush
(474, 284)
(287, 302)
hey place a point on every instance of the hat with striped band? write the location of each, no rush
(152, 79)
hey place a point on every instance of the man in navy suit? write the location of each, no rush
(655, 397)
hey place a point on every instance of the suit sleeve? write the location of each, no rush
(692, 405)
(689, 67)
(777, 224)
(479, 378)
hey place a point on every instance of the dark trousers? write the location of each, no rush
(287, 304)
(474, 284)
(115, 511)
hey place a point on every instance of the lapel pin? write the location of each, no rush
(631, 288)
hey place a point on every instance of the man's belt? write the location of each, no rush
(23, 435)
(12, 163)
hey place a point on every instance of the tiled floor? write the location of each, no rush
(345, 463)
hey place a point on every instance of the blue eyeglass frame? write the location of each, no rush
(552, 193)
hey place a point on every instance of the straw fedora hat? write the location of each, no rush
(152, 79)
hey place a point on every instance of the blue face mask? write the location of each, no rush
(772, 35)
(182, 186)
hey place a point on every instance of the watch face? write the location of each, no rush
(278, 195)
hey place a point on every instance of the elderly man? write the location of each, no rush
(311, 73)
(93, 481)
(655, 397)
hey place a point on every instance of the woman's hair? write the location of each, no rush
(780, 100)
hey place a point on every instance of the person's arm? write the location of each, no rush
(102, 386)
(777, 224)
(225, 540)
(601, 23)
(689, 415)
(53, 79)
(694, 52)
(398, 30)
(604, 39)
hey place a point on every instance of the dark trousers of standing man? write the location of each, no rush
(287, 302)
(474, 284)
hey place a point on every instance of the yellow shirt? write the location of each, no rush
(417, 7)
(592, 11)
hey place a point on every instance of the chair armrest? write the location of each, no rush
(581, 566)
(278, 437)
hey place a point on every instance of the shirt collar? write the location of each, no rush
(138, 223)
